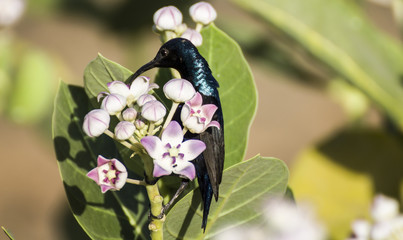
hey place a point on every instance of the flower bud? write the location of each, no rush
(10, 11)
(153, 111)
(124, 130)
(139, 124)
(119, 87)
(194, 36)
(96, 122)
(143, 99)
(167, 18)
(384, 208)
(113, 103)
(179, 90)
(129, 114)
(202, 12)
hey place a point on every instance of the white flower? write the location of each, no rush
(138, 87)
(194, 36)
(167, 18)
(10, 11)
(96, 122)
(203, 12)
(384, 208)
(124, 130)
(110, 174)
(179, 90)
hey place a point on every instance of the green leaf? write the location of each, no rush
(243, 189)
(113, 215)
(98, 73)
(341, 175)
(237, 90)
(337, 33)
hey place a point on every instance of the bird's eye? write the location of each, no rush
(164, 52)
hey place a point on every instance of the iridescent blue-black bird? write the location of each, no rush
(183, 56)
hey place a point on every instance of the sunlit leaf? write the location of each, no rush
(337, 33)
(243, 189)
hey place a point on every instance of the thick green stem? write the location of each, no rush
(156, 225)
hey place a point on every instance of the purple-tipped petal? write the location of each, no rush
(185, 113)
(153, 146)
(159, 171)
(118, 165)
(187, 170)
(172, 134)
(105, 188)
(101, 160)
(214, 124)
(93, 174)
(179, 90)
(192, 148)
(208, 111)
(196, 101)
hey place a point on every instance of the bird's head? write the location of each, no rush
(173, 54)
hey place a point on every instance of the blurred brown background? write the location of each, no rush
(32, 200)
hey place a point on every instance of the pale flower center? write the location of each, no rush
(111, 174)
(173, 152)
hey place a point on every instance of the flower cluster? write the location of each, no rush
(387, 222)
(168, 20)
(140, 116)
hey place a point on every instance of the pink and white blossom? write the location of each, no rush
(203, 12)
(153, 111)
(194, 36)
(167, 18)
(179, 90)
(141, 85)
(110, 174)
(171, 154)
(96, 122)
(124, 130)
(197, 117)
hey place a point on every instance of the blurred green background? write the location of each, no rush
(329, 81)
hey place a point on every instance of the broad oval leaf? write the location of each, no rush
(242, 190)
(113, 215)
(237, 89)
(337, 33)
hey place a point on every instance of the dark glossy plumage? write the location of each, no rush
(183, 56)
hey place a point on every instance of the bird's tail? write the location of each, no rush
(208, 196)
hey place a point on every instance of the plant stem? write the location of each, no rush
(156, 225)
(135, 181)
(170, 115)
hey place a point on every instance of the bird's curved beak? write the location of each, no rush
(152, 64)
